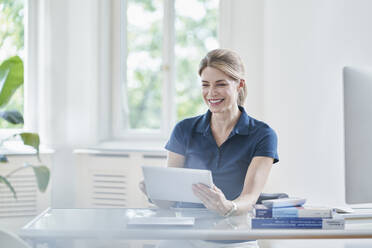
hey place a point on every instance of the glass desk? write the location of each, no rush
(112, 224)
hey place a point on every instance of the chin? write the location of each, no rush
(220, 109)
(216, 110)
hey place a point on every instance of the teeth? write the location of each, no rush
(215, 101)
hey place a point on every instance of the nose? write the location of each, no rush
(212, 91)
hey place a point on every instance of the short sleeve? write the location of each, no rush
(267, 146)
(177, 142)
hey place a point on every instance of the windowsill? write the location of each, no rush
(18, 148)
(117, 146)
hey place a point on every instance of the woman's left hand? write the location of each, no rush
(213, 198)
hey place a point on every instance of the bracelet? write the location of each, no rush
(232, 210)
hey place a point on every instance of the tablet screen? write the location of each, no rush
(174, 184)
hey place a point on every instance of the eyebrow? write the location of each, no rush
(218, 81)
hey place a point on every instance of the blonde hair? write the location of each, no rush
(229, 63)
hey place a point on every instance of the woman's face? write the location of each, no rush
(220, 92)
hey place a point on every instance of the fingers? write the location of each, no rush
(142, 187)
(203, 197)
(217, 189)
(211, 197)
(207, 194)
(210, 192)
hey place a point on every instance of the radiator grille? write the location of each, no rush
(26, 203)
(109, 190)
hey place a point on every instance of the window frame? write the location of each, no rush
(30, 44)
(121, 130)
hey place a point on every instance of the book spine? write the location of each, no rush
(293, 213)
(312, 213)
(297, 223)
(263, 213)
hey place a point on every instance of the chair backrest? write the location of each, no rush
(10, 240)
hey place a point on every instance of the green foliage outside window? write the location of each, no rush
(195, 35)
(11, 78)
(144, 77)
(12, 43)
(11, 92)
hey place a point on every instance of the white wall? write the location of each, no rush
(241, 29)
(307, 43)
(71, 72)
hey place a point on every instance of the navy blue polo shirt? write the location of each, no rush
(193, 139)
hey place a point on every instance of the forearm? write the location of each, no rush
(245, 203)
(250, 195)
(254, 183)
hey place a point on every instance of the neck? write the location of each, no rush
(226, 120)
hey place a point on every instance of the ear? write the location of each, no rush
(241, 83)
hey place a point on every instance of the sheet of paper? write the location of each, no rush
(161, 221)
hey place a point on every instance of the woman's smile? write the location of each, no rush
(220, 92)
(215, 102)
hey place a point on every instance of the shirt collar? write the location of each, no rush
(241, 127)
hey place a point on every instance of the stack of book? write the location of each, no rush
(295, 217)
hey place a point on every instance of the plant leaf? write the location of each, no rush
(11, 77)
(12, 116)
(31, 139)
(7, 183)
(3, 158)
(42, 174)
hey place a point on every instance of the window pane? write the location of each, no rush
(196, 34)
(144, 51)
(11, 44)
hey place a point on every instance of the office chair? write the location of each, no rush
(10, 240)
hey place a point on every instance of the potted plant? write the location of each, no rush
(11, 78)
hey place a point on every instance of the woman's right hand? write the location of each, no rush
(160, 204)
(142, 187)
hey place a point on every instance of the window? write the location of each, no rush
(162, 44)
(11, 44)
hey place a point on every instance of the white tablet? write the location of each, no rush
(174, 184)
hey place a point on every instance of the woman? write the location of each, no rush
(238, 149)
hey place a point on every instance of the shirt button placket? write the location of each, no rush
(218, 158)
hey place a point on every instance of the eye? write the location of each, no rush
(205, 85)
(221, 84)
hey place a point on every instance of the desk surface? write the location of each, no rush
(112, 223)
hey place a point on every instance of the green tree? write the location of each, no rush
(192, 33)
(12, 43)
(144, 44)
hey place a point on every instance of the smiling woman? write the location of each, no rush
(238, 149)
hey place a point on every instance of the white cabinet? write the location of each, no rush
(14, 213)
(109, 179)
